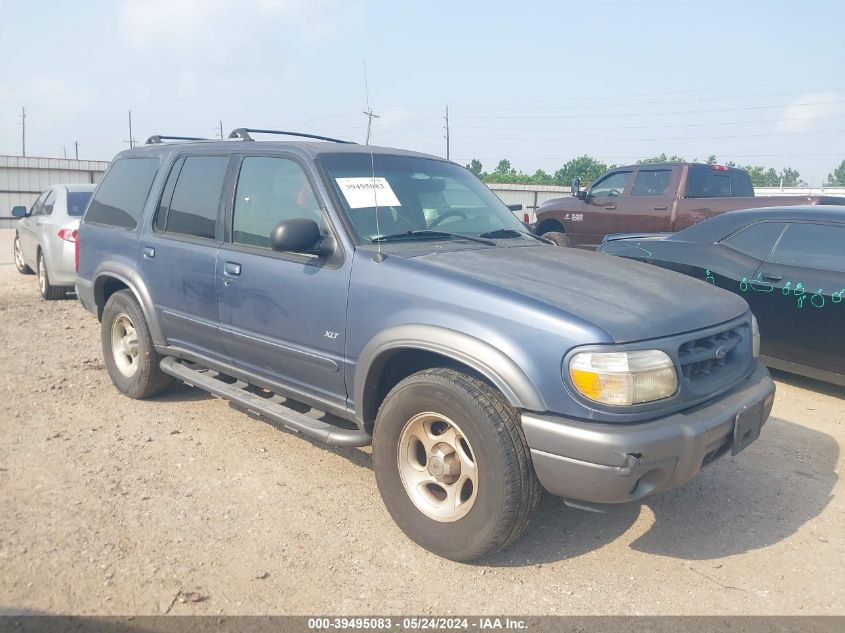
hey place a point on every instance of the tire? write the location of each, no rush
(128, 351)
(20, 263)
(559, 238)
(48, 292)
(503, 493)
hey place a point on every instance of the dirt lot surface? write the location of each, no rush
(115, 506)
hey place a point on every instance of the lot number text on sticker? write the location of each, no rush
(361, 193)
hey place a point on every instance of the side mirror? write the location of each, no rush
(297, 235)
(575, 188)
(19, 212)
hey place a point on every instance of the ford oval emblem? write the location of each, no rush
(721, 352)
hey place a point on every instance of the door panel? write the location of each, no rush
(601, 208)
(179, 257)
(282, 315)
(800, 305)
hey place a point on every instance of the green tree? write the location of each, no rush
(504, 167)
(837, 178)
(711, 160)
(475, 167)
(586, 168)
(791, 178)
(662, 159)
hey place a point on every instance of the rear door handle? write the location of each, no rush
(610, 207)
(771, 276)
(232, 269)
(661, 207)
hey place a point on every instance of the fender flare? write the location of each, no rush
(479, 355)
(126, 274)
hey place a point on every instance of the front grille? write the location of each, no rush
(710, 361)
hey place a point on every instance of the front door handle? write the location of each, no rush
(232, 269)
(610, 207)
(149, 252)
(771, 276)
(661, 207)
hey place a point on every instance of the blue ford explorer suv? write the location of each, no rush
(362, 295)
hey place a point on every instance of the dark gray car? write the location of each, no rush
(365, 295)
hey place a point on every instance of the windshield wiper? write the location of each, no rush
(506, 233)
(425, 233)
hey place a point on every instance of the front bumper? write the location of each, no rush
(616, 463)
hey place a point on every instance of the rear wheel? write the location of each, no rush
(20, 263)
(128, 350)
(452, 465)
(48, 291)
(558, 237)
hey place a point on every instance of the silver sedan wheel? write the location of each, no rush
(437, 467)
(124, 345)
(19, 262)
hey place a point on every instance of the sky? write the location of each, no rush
(537, 83)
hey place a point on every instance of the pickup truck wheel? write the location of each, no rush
(452, 465)
(561, 239)
(20, 263)
(128, 349)
(48, 291)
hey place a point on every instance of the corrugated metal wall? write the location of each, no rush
(23, 179)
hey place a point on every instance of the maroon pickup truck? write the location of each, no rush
(653, 198)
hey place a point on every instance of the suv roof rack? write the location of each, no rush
(161, 138)
(243, 134)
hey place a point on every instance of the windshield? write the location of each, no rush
(77, 201)
(414, 194)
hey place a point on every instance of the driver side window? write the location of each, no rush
(610, 186)
(270, 190)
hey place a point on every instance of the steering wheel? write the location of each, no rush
(614, 193)
(448, 214)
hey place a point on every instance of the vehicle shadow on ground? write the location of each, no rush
(754, 500)
(810, 384)
(180, 392)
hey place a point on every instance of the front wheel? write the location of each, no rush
(452, 464)
(558, 237)
(48, 291)
(20, 262)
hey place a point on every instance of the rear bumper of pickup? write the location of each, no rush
(616, 463)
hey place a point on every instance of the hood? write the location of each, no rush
(628, 300)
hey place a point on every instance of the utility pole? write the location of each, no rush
(23, 132)
(447, 132)
(76, 149)
(370, 116)
(64, 149)
(221, 129)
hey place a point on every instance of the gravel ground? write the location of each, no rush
(184, 505)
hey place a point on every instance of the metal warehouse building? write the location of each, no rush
(22, 179)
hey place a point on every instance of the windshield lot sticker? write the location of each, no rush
(363, 193)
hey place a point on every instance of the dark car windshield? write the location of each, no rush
(77, 201)
(414, 194)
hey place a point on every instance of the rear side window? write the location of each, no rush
(195, 200)
(651, 182)
(811, 246)
(77, 201)
(707, 182)
(757, 240)
(121, 196)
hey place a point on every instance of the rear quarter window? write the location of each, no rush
(120, 198)
(77, 201)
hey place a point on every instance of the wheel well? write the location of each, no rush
(550, 225)
(393, 367)
(106, 287)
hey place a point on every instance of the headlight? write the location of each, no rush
(623, 378)
(755, 337)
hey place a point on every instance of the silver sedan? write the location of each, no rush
(45, 238)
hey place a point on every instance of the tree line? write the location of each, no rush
(588, 169)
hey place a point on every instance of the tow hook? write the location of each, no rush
(631, 460)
